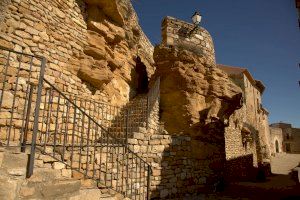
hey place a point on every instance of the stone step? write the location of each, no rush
(91, 194)
(15, 163)
(50, 189)
(45, 175)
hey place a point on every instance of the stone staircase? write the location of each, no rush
(72, 139)
(45, 183)
(132, 117)
(283, 163)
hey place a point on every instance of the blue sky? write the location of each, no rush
(261, 35)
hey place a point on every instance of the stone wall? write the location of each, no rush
(287, 135)
(176, 165)
(203, 93)
(183, 35)
(90, 50)
(247, 133)
(276, 135)
(295, 141)
(51, 180)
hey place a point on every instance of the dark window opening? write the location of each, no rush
(277, 146)
(141, 77)
(288, 147)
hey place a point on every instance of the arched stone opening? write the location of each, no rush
(277, 146)
(141, 79)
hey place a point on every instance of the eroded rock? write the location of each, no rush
(193, 92)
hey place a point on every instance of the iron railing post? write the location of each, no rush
(127, 129)
(23, 147)
(148, 182)
(36, 119)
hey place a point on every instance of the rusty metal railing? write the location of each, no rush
(33, 112)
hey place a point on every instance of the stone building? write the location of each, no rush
(285, 138)
(142, 121)
(276, 140)
(247, 137)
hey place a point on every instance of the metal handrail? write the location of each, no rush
(90, 118)
(38, 99)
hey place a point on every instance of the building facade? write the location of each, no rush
(285, 138)
(247, 136)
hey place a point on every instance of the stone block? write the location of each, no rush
(23, 34)
(17, 171)
(47, 158)
(154, 142)
(8, 98)
(66, 173)
(132, 141)
(77, 175)
(136, 148)
(44, 175)
(158, 148)
(14, 161)
(139, 136)
(27, 191)
(38, 163)
(59, 188)
(88, 183)
(8, 189)
(91, 194)
(58, 165)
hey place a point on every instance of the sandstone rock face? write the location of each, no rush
(192, 93)
(114, 37)
(89, 44)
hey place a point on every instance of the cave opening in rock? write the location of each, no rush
(141, 80)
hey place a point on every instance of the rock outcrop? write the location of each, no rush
(91, 46)
(115, 42)
(192, 93)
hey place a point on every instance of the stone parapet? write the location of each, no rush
(183, 35)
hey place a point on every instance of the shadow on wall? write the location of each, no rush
(190, 165)
(81, 4)
(240, 169)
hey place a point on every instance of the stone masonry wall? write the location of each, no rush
(90, 50)
(51, 180)
(247, 134)
(41, 28)
(174, 167)
(177, 33)
(174, 162)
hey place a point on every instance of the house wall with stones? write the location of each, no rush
(287, 135)
(247, 136)
(91, 47)
(276, 135)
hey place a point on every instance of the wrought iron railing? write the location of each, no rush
(121, 121)
(33, 112)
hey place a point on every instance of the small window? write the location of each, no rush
(288, 147)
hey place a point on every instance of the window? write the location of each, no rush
(277, 146)
(288, 147)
